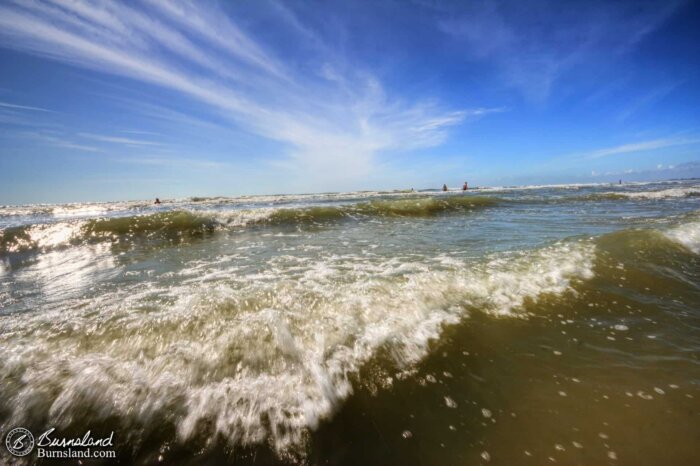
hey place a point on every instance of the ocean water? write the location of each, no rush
(535, 325)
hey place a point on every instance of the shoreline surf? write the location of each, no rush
(244, 330)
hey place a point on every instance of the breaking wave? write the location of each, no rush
(671, 193)
(264, 357)
(184, 224)
(250, 359)
(687, 234)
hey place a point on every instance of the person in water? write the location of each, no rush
(157, 201)
(465, 187)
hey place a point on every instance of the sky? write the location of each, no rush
(136, 99)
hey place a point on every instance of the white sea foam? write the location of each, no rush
(506, 282)
(571, 186)
(55, 234)
(671, 193)
(240, 218)
(687, 234)
(46, 236)
(80, 210)
(264, 355)
(63, 274)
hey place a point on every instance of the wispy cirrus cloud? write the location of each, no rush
(334, 122)
(647, 99)
(58, 139)
(23, 107)
(118, 140)
(72, 145)
(190, 163)
(20, 115)
(533, 44)
(66, 139)
(641, 147)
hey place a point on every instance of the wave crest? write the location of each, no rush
(671, 193)
(256, 360)
(189, 224)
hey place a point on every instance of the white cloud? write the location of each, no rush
(118, 140)
(23, 107)
(534, 43)
(333, 127)
(640, 147)
(647, 99)
(57, 139)
(170, 161)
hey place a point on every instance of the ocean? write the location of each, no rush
(524, 325)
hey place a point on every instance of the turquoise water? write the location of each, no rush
(536, 325)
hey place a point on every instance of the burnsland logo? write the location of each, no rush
(19, 441)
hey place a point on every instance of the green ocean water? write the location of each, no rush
(535, 325)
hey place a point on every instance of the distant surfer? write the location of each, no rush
(444, 187)
(157, 201)
(465, 187)
(620, 182)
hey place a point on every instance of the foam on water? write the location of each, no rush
(506, 282)
(41, 236)
(257, 356)
(670, 193)
(81, 210)
(181, 223)
(687, 234)
(52, 235)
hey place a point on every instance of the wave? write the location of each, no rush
(265, 357)
(40, 236)
(194, 223)
(577, 186)
(413, 207)
(671, 193)
(398, 202)
(163, 223)
(255, 360)
(187, 224)
(687, 234)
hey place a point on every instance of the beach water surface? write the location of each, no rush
(536, 325)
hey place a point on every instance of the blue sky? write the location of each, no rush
(133, 100)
